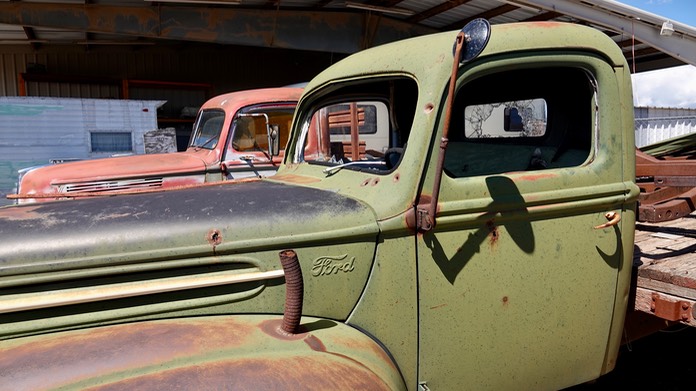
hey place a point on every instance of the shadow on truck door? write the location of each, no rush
(503, 192)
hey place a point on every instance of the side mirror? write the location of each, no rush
(273, 140)
(476, 34)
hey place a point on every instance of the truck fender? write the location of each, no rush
(213, 352)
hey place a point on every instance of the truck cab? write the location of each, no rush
(235, 135)
(454, 211)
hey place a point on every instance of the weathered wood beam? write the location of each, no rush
(327, 31)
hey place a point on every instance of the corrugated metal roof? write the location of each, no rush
(334, 26)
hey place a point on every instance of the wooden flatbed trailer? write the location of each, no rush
(665, 269)
(664, 260)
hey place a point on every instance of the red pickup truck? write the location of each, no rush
(235, 135)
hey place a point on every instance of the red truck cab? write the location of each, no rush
(235, 135)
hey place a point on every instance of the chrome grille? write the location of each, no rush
(110, 186)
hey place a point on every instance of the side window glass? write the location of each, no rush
(522, 118)
(250, 133)
(534, 126)
(255, 127)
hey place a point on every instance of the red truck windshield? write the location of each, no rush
(206, 132)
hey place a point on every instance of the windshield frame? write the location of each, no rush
(398, 94)
(198, 138)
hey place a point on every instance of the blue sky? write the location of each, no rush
(673, 87)
(683, 11)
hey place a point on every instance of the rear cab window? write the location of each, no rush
(528, 125)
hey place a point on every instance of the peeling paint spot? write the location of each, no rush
(293, 178)
(315, 343)
(535, 177)
(397, 177)
(214, 237)
(493, 232)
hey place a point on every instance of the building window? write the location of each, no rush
(111, 142)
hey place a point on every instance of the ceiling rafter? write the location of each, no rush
(503, 9)
(544, 16)
(31, 36)
(384, 3)
(444, 7)
(342, 32)
(323, 25)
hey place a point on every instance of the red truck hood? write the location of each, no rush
(124, 167)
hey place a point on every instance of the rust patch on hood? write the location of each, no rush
(200, 353)
(20, 213)
(29, 213)
(83, 355)
(314, 372)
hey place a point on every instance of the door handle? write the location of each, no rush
(613, 217)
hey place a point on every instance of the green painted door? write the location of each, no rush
(517, 287)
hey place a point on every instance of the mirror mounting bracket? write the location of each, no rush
(470, 42)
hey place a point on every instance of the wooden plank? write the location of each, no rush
(665, 257)
(659, 286)
(341, 119)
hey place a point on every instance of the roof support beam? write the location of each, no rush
(31, 36)
(680, 45)
(338, 32)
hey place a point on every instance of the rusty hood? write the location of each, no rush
(49, 178)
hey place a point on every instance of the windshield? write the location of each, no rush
(206, 131)
(361, 127)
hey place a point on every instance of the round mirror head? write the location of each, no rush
(476, 35)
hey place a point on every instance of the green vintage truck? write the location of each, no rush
(455, 211)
